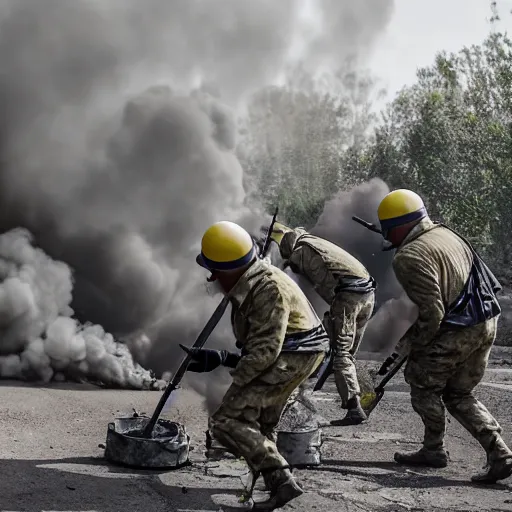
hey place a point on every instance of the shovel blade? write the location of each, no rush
(367, 399)
(370, 400)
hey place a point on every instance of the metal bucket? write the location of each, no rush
(302, 448)
(168, 448)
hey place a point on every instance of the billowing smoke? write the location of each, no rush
(390, 322)
(343, 29)
(116, 168)
(40, 338)
(134, 260)
(122, 198)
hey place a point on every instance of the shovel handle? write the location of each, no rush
(180, 372)
(390, 374)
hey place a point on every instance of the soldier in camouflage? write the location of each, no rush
(346, 286)
(282, 343)
(448, 346)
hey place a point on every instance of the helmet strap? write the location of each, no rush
(212, 278)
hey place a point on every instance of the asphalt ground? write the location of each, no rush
(52, 441)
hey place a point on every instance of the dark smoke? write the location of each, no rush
(121, 196)
(116, 173)
(390, 322)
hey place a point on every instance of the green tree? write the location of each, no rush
(449, 137)
(296, 139)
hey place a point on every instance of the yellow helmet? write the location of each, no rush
(226, 246)
(400, 207)
(279, 231)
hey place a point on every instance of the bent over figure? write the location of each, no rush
(347, 287)
(449, 344)
(282, 341)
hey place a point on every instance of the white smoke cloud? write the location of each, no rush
(38, 333)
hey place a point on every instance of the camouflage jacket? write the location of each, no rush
(269, 308)
(432, 264)
(322, 263)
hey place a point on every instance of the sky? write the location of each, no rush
(421, 28)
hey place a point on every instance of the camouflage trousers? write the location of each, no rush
(444, 374)
(245, 421)
(347, 320)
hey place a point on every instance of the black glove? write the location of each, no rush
(231, 360)
(207, 360)
(387, 363)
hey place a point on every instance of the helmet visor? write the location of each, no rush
(200, 261)
(213, 266)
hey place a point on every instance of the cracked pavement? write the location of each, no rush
(51, 460)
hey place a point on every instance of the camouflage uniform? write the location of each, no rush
(444, 364)
(269, 310)
(328, 266)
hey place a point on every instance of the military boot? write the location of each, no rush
(283, 488)
(355, 414)
(267, 480)
(499, 462)
(423, 457)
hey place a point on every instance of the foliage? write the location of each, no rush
(448, 137)
(297, 138)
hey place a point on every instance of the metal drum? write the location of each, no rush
(302, 448)
(168, 448)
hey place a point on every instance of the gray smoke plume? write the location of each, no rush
(40, 339)
(355, 27)
(116, 168)
(390, 322)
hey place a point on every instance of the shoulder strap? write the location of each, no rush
(490, 279)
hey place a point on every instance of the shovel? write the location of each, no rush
(180, 373)
(370, 400)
